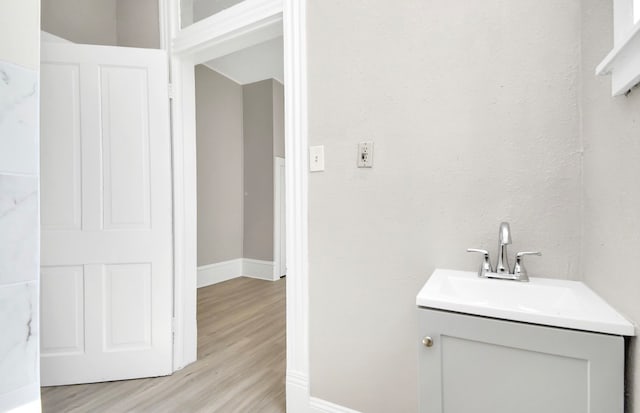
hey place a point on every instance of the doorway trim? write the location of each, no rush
(208, 38)
(279, 265)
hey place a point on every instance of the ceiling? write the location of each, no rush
(253, 64)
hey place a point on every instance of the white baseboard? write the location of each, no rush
(297, 392)
(322, 406)
(260, 269)
(299, 400)
(219, 272)
(240, 267)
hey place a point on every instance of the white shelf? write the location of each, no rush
(623, 62)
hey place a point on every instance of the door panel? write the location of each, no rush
(127, 303)
(125, 140)
(62, 306)
(106, 207)
(61, 169)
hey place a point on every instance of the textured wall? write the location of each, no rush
(611, 195)
(19, 224)
(258, 170)
(219, 161)
(473, 110)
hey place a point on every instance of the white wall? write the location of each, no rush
(611, 194)
(473, 110)
(19, 224)
(220, 167)
(17, 21)
(252, 64)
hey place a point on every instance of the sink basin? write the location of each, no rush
(552, 302)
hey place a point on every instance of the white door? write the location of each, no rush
(106, 279)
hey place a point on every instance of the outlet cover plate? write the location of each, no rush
(365, 154)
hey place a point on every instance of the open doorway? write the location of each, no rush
(241, 291)
(260, 267)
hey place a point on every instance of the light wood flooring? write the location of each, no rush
(240, 367)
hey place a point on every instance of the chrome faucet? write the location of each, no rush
(502, 271)
(504, 239)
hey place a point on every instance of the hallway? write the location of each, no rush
(240, 367)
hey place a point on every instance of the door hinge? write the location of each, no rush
(173, 325)
(170, 90)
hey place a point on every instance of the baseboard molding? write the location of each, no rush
(219, 272)
(240, 267)
(322, 406)
(299, 400)
(260, 269)
(297, 392)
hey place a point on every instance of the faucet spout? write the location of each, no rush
(504, 237)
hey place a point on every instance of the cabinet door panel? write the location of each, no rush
(482, 365)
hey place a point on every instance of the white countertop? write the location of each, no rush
(552, 302)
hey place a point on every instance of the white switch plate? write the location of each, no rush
(316, 158)
(365, 154)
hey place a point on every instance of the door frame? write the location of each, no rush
(239, 27)
(278, 236)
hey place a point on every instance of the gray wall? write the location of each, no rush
(258, 170)
(19, 224)
(239, 129)
(611, 194)
(278, 119)
(137, 23)
(205, 8)
(81, 21)
(220, 167)
(473, 110)
(106, 22)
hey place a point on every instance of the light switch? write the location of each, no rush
(316, 158)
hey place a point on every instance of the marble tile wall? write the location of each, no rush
(18, 228)
(18, 119)
(19, 236)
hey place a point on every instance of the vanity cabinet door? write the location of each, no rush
(483, 365)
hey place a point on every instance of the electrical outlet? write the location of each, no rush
(365, 154)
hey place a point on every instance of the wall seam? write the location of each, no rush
(581, 194)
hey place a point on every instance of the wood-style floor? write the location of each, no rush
(240, 367)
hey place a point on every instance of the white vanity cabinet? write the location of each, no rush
(476, 364)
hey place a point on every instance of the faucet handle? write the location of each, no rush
(519, 271)
(523, 253)
(485, 267)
